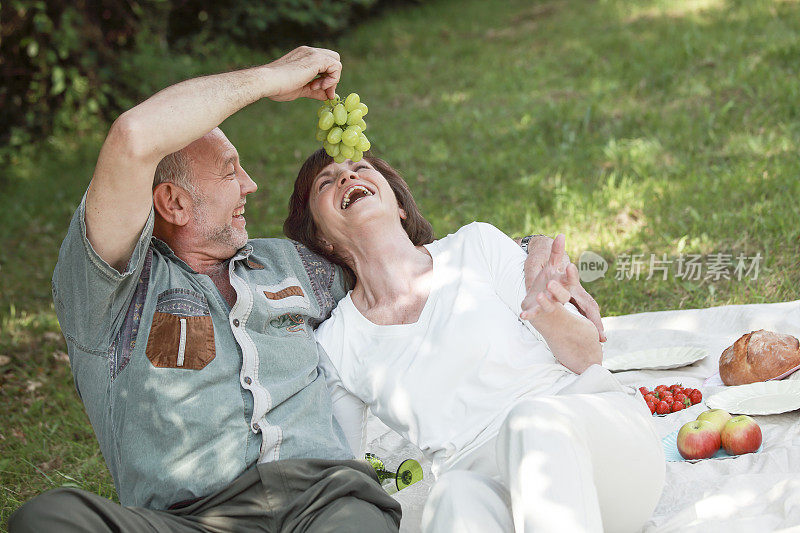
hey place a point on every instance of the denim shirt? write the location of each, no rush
(185, 393)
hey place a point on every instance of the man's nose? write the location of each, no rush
(247, 184)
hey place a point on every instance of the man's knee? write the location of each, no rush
(464, 501)
(355, 515)
(456, 485)
(49, 511)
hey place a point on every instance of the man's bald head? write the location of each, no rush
(177, 167)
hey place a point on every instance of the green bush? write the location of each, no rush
(68, 66)
(263, 24)
(57, 64)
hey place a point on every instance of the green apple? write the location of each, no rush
(717, 417)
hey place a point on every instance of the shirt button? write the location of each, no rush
(255, 426)
(236, 322)
(248, 380)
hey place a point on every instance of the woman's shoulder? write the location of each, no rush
(330, 334)
(474, 232)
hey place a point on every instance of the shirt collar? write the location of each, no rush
(242, 254)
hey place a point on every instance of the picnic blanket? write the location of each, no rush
(750, 493)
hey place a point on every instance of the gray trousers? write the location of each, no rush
(297, 495)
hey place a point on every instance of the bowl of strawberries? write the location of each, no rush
(666, 399)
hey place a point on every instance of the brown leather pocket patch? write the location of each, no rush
(294, 290)
(177, 341)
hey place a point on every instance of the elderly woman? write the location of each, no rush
(500, 387)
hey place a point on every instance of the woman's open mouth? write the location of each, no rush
(354, 194)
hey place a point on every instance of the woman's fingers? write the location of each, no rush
(558, 292)
(545, 302)
(572, 277)
(557, 250)
(553, 291)
(529, 302)
(530, 308)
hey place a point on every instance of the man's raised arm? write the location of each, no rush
(120, 195)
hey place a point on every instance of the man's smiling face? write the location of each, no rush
(221, 185)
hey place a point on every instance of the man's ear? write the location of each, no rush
(323, 242)
(328, 247)
(172, 203)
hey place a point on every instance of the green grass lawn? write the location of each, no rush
(640, 127)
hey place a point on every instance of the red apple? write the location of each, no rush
(741, 434)
(717, 417)
(698, 439)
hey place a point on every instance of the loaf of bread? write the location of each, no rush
(758, 356)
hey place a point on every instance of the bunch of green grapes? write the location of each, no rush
(341, 128)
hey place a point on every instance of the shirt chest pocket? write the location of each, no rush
(286, 307)
(182, 332)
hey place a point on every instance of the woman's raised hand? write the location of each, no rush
(553, 285)
(305, 72)
(540, 252)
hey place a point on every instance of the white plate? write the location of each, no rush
(655, 358)
(763, 398)
(671, 453)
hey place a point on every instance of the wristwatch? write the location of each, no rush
(523, 242)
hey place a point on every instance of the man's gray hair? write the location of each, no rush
(176, 168)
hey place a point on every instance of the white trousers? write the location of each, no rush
(585, 460)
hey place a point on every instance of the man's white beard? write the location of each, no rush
(224, 234)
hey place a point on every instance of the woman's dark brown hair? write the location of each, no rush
(300, 226)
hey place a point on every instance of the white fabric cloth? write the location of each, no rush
(753, 492)
(586, 459)
(446, 381)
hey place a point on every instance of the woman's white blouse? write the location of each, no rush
(446, 381)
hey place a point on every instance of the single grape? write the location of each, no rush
(363, 107)
(361, 124)
(339, 114)
(331, 149)
(347, 151)
(321, 109)
(351, 102)
(335, 135)
(339, 158)
(350, 136)
(325, 121)
(357, 156)
(354, 116)
(322, 134)
(363, 143)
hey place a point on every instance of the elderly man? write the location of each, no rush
(192, 347)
